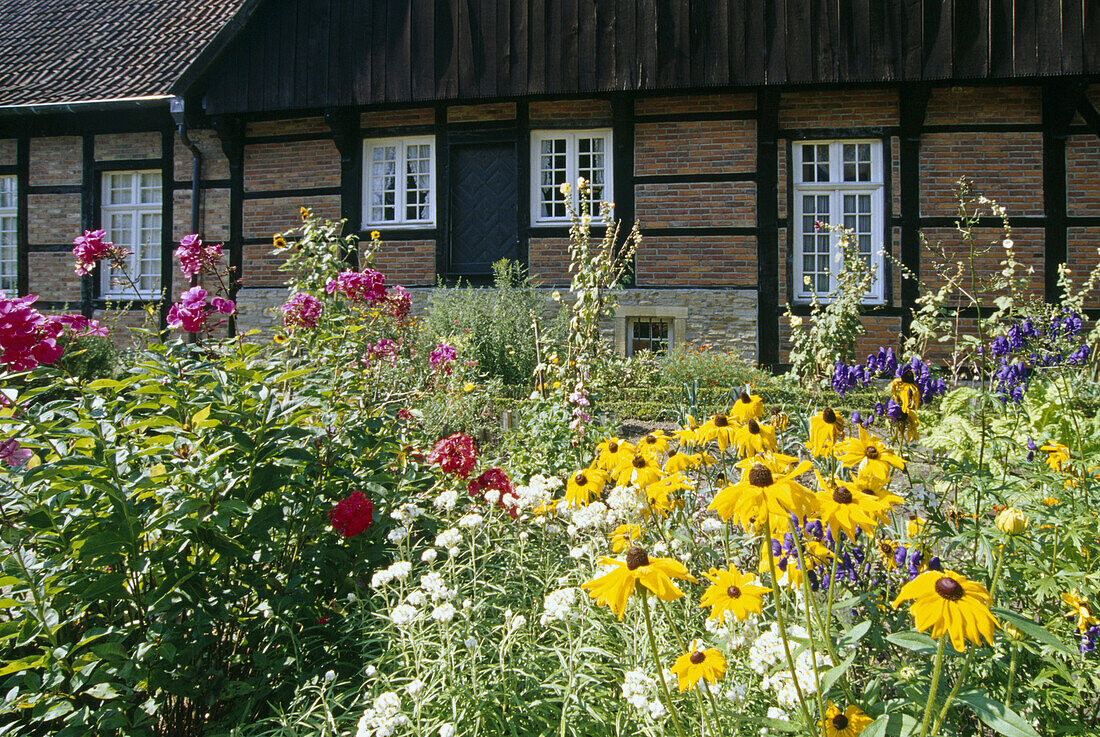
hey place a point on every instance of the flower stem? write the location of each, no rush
(937, 670)
(954, 690)
(781, 620)
(657, 662)
(1011, 674)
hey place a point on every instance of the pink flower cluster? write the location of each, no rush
(90, 248)
(194, 256)
(352, 515)
(442, 356)
(384, 349)
(497, 480)
(29, 338)
(301, 311)
(191, 312)
(399, 302)
(14, 454)
(455, 454)
(367, 286)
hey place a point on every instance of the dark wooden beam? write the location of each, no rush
(167, 176)
(622, 161)
(231, 133)
(22, 231)
(345, 134)
(912, 103)
(1089, 113)
(89, 219)
(1059, 103)
(442, 189)
(523, 171)
(767, 221)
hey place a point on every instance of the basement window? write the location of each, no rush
(838, 182)
(652, 334)
(9, 249)
(399, 181)
(565, 156)
(131, 215)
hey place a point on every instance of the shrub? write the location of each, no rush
(688, 363)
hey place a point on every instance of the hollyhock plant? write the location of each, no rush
(194, 256)
(495, 480)
(301, 311)
(90, 248)
(442, 356)
(352, 515)
(191, 312)
(367, 286)
(455, 454)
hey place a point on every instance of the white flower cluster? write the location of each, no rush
(450, 539)
(447, 730)
(446, 501)
(711, 524)
(434, 586)
(471, 520)
(403, 615)
(513, 622)
(733, 634)
(397, 534)
(558, 605)
(538, 492)
(626, 504)
(590, 517)
(398, 571)
(406, 513)
(382, 718)
(768, 651)
(444, 613)
(639, 691)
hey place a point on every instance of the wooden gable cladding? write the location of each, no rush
(308, 54)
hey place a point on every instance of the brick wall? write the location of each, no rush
(1083, 257)
(8, 148)
(1007, 167)
(53, 218)
(291, 165)
(213, 214)
(702, 204)
(409, 263)
(479, 113)
(56, 160)
(571, 110)
(114, 146)
(51, 276)
(265, 216)
(548, 260)
(693, 104)
(696, 147)
(697, 261)
(838, 109)
(393, 118)
(1083, 175)
(214, 163)
(994, 104)
(1027, 243)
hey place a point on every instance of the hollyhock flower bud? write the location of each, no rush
(1012, 521)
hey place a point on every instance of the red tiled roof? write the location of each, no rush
(67, 51)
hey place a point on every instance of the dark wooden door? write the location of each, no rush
(484, 197)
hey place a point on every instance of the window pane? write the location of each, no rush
(418, 166)
(7, 192)
(383, 184)
(591, 165)
(650, 335)
(8, 251)
(553, 172)
(815, 243)
(857, 162)
(120, 189)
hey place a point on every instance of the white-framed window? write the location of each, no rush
(837, 182)
(9, 230)
(565, 156)
(652, 334)
(399, 181)
(131, 215)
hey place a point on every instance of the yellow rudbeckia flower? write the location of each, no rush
(906, 394)
(734, 592)
(717, 429)
(869, 453)
(752, 438)
(584, 486)
(1057, 456)
(653, 445)
(767, 492)
(661, 494)
(615, 588)
(845, 509)
(611, 451)
(697, 663)
(1080, 608)
(623, 536)
(678, 462)
(826, 430)
(848, 723)
(747, 407)
(952, 605)
(637, 470)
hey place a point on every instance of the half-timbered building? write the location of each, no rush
(726, 128)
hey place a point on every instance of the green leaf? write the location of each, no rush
(103, 691)
(914, 641)
(996, 715)
(18, 666)
(891, 725)
(854, 635)
(1033, 630)
(837, 671)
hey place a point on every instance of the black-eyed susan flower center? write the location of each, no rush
(886, 548)
(745, 397)
(760, 475)
(829, 415)
(612, 447)
(949, 588)
(721, 421)
(636, 558)
(842, 495)
(840, 721)
(581, 479)
(638, 462)
(871, 452)
(672, 452)
(754, 427)
(697, 657)
(733, 592)
(650, 440)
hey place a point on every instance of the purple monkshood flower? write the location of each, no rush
(1088, 639)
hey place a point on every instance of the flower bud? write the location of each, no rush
(1012, 521)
